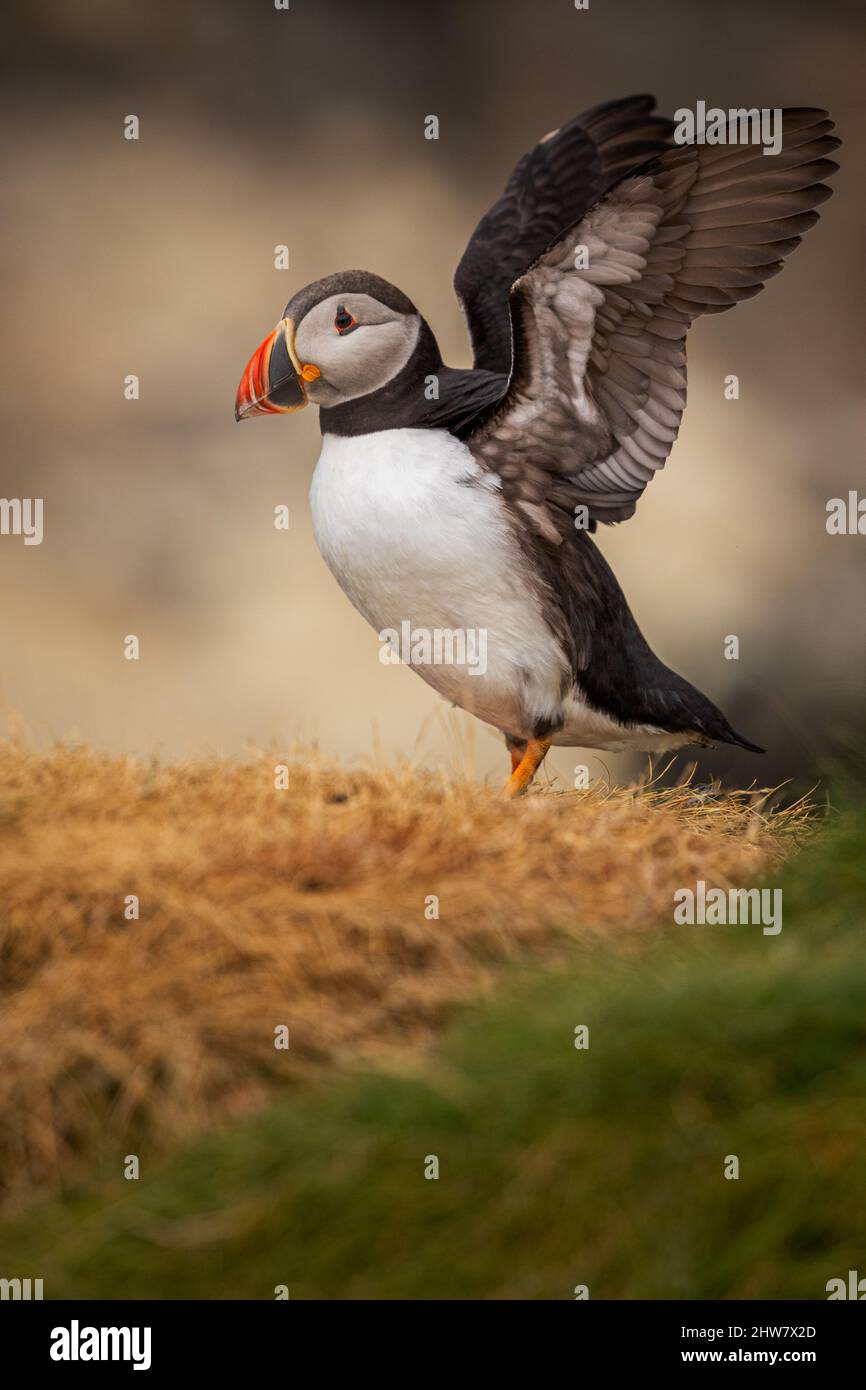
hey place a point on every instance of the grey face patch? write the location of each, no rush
(354, 364)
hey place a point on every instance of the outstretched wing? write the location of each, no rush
(598, 379)
(551, 188)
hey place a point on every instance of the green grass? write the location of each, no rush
(558, 1167)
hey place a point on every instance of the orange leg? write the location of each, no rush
(525, 764)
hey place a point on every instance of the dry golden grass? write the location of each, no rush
(302, 907)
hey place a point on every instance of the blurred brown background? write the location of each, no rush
(305, 127)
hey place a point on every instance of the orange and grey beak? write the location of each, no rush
(273, 379)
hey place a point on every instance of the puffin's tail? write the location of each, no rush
(616, 668)
(731, 736)
(685, 708)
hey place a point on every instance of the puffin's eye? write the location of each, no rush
(344, 322)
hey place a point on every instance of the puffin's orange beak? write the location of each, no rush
(273, 379)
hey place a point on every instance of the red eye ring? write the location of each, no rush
(344, 322)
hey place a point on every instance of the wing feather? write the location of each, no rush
(549, 191)
(598, 380)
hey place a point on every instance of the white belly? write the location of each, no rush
(411, 539)
(415, 534)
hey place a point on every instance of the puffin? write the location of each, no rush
(465, 500)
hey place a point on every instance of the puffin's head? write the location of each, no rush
(340, 338)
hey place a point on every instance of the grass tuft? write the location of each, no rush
(557, 1166)
(303, 907)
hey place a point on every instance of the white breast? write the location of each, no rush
(414, 531)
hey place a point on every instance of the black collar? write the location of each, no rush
(409, 402)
